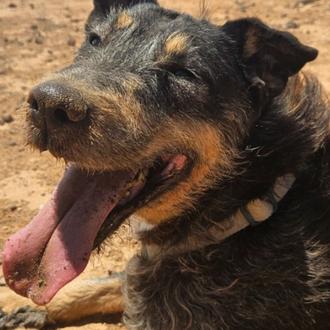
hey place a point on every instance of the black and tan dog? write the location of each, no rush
(194, 131)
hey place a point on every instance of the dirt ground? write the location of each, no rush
(38, 37)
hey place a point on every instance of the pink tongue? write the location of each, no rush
(55, 246)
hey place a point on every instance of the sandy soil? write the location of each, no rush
(38, 37)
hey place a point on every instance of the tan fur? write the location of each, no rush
(176, 44)
(293, 93)
(85, 298)
(251, 45)
(124, 21)
(126, 108)
(205, 139)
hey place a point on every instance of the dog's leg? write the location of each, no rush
(87, 297)
(78, 300)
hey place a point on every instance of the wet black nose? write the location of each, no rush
(56, 104)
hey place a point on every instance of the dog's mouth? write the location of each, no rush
(84, 209)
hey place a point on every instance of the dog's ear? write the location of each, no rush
(268, 57)
(103, 6)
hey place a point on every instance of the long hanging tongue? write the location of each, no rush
(55, 246)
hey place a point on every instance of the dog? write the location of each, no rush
(215, 145)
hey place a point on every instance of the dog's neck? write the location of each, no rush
(252, 214)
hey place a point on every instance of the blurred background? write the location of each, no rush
(38, 37)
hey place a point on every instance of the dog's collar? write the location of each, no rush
(252, 214)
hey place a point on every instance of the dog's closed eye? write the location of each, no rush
(179, 71)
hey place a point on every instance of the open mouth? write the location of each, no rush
(148, 184)
(84, 209)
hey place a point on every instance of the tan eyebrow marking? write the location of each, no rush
(251, 46)
(176, 44)
(124, 20)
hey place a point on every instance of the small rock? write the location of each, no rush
(34, 27)
(39, 39)
(71, 41)
(7, 118)
(12, 144)
(13, 208)
(292, 25)
(12, 5)
(32, 5)
(3, 71)
(305, 2)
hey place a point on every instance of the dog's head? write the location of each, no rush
(155, 110)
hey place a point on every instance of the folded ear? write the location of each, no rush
(104, 6)
(269, 56)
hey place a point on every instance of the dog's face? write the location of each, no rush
(149, 84)
(158, 106)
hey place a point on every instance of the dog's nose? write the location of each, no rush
(57, 104)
